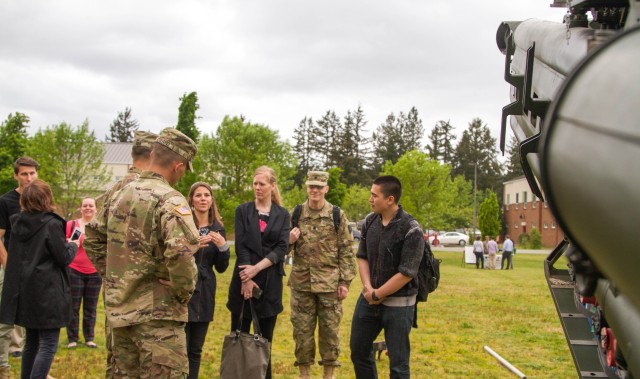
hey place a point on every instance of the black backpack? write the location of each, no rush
(428, 273)
(428, 276)
(295, 218)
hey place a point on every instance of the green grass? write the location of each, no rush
(510, 311)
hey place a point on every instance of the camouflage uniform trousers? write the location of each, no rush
(108, 334)
(154, 349)
(307, 309)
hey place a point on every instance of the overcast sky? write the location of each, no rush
(273, 61)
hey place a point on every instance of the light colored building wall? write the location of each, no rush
(117, 160)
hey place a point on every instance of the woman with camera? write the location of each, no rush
(85, 281)
(213, 252)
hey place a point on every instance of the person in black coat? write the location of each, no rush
(262, 239)
(36, 293)
(213, 252)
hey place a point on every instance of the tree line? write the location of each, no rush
(438, 177)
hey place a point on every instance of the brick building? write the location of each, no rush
(524, 211)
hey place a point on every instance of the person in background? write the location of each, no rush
(36, 294)
(492, 250)
(85, 282)
(213, 252)
(507, 253)
(478, 250)
(25, 170)
(323, 268)
(262, 239)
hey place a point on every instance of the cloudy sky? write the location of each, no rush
(273, 61)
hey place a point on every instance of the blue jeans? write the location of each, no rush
(39, 349)
(368, 321)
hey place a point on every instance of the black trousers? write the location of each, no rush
(479, 258)
(267, 325)
(507, 256)
(196, 333)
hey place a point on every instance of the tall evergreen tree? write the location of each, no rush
(187, 116)
(123, 127)
(350, 146)
(440, 145)
(387, 143)
(477, 148)
(187, 125)
(513, 166)
(303, 137)
(412, 130)
(325, 131)
(397, 136)
(13, 136)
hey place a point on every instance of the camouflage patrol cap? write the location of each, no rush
(179, 143)
(144, 139)
(317, 178)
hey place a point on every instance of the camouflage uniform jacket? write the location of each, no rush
(132, 175)
(148, 233)
(98, 259)
(323, 259)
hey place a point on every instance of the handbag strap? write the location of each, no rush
(254, 317)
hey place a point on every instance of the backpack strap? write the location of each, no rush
(336, 218)
(367, 223)
(295, 218)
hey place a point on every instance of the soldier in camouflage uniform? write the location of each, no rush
(149, 237)
(323, 267)
(141, 159)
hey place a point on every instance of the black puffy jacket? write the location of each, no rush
(36, 291)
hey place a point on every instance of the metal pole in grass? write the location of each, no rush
(505, 362)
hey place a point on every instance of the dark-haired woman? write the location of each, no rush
(213, 252)
(36, 292)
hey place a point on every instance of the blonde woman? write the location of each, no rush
(262, 239)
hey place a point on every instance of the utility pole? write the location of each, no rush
(475, 188)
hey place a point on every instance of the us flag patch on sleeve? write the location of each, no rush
(182, 210)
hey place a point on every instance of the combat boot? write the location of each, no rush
(305, 371)
(4, 372)
(328, 372)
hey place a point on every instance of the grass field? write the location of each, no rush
(510, 311)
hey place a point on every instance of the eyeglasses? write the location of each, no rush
(315, 187)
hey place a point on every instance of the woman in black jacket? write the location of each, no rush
(262, 239)
(213, 252)
(36, 292)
